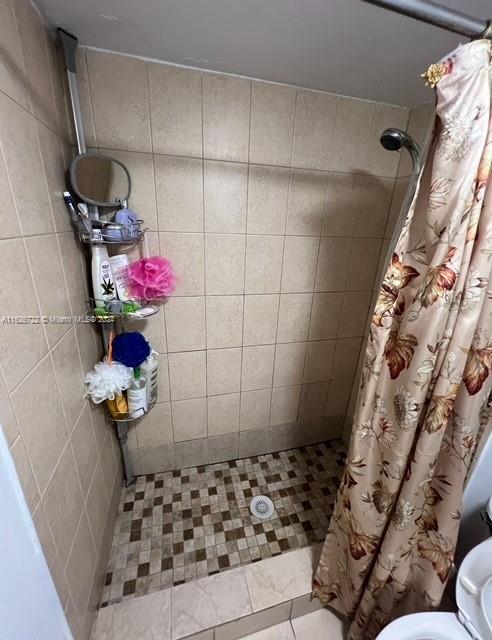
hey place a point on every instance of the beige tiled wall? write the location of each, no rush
(63, 450)
(272, 204)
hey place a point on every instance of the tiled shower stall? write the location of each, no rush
(275, 205)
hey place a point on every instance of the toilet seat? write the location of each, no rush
(473, 597)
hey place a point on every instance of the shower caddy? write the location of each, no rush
(110, 321)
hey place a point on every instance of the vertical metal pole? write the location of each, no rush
(122, 433)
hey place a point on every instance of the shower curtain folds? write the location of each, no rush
(422, 405)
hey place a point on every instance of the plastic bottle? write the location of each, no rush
(150, 368)
(102, 276)
(119, 264)
(137, 395)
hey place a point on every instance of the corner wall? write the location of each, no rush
(272, 203)
(64, 452)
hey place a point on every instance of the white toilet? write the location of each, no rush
(473, 597)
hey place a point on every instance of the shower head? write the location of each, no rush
(394, 139)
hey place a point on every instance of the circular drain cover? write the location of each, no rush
(261, 507)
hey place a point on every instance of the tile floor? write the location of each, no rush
(230, 605)
(177, 526)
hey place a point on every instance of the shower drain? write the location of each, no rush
(261, 507)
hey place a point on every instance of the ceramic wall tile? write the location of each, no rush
(69, 376)
(175, 110)
(375, 198)
(224, 264)
(306, 207)
(257, 367)
(294, 314)
(226, 115)
(81, 565)
(313, 130)
(263, 263)
(24, 471)
(285, 405)
(353, 135)
(272, 123)
(319, 361)
(189, 419)
(289, 364)
(363, 263)
(346, 357)
(224, 321)
(84, 447)
(260, 319)
(156, 428)
(190, 453)
(179, 191)
(223, 371)
(223, 447)
(187, 375)
(63, 503)
(299, 267)
(268, 189)
(333, 264)
(22, 157)
(255, 409)
(55, 165)
(342, 204)
(45, 260)
(121, 114)
(12, 77)
(325, 315)
(186, 253)
(185, 324)
(41, 420)
(354, 313)
(33, 37)
(313, 397)
(223, 414)
(8, 420)
(337, 397)
(225, 196)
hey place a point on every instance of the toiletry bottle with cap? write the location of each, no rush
(102, 276)
(150, 367)
(119, 264)
(129, 219)
(137, 395)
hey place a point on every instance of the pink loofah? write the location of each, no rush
(150, 278)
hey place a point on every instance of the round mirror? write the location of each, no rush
(100, 180)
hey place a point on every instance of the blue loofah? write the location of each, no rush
(131, 349)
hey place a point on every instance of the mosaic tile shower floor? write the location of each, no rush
(177, 526)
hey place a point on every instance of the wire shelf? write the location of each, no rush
(110, 310)
(105, 232)
(125, 417)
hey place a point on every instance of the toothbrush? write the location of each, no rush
(84, 214)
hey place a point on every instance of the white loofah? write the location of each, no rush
(107, 380)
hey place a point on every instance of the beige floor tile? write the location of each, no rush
(145, 618)
(209, 602)
(281, 631)
(320, 625)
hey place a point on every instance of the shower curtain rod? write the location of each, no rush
(439, 16)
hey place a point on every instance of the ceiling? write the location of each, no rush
(343, 46)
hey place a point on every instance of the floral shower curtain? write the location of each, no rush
(426, 379)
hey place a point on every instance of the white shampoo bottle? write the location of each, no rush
(119, 263)
(102, 276)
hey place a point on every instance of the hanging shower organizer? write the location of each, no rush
(112, 317)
